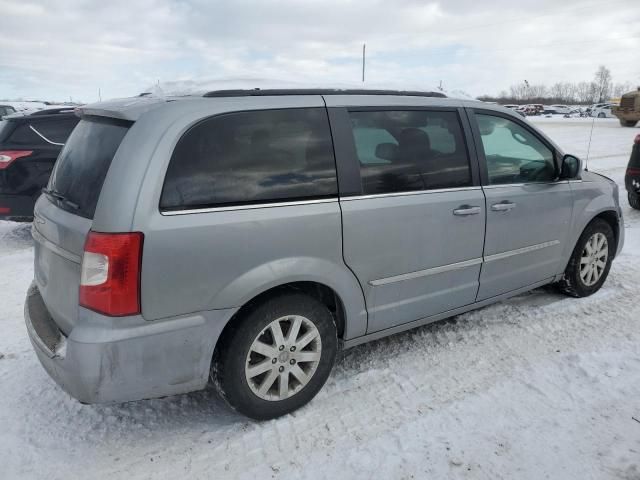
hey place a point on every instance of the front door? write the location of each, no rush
(528, 209)
(414, 233)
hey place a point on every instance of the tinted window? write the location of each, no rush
(84, 161)
(402, 151)
(56, 130)
(252, 157)
(23, 135)
(5, 129)
(513, 153)
(6, 110)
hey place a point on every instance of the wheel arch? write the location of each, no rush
(611, 217)
(320, 291)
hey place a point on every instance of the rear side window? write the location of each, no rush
(402, 151)
(56, 130)
(84, 161)
(252, 157)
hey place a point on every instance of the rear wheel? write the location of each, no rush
(628, 123)
(634, 200)
(601, 115)
(277, 357)
(590, 261)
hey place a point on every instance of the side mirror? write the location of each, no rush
(386, 151)
(570, 167)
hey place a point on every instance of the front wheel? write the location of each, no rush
(601, 115)
(634, 200)
(628, 123)
(277, 357)
(590, 261)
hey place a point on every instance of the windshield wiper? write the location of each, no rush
(61, 198)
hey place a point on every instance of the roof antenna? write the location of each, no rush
(364, 47)
(586, 162)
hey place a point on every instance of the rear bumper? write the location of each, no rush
(118, 360)
(16, 206)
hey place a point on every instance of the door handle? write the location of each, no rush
(463, 210)
(503, 206)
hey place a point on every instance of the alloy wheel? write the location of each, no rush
(593, 260)
(283, 358)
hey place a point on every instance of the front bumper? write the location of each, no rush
(101, 362)
(16, 206)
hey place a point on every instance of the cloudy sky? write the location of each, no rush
(71, 48)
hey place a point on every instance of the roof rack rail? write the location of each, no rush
(257, 92)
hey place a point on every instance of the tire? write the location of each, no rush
(574, 282)
(601, 115)
(628, 123)
(634, 200)
(276, 360)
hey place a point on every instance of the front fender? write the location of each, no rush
(592, 198)
(300, 269)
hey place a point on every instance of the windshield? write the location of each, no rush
(84, 162)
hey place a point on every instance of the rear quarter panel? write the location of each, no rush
(222, 259)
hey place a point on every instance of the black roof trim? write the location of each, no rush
(257, 92)
(53, 111)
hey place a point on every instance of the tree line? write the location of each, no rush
(599, 90)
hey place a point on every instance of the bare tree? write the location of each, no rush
(519, 91)
(602, 80)
(599, 90)
(620, 89)
(538, 91)
(583, 92)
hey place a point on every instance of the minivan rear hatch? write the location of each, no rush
(64, 213)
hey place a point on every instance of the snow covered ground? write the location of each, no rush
(540, 386)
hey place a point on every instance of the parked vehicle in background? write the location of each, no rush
(527, 109)
(562, 109)
(632, 175)
(516, 108)
(244, 235)
(593, 107)
(6, 110)
(604, 111)
(628, 112)
(538, 108)
(29, 146)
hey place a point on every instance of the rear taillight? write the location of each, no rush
(5, 210)
(110, 277)
(633, 171)
(7, 157)
(637, 139)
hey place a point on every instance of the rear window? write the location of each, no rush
(252, 157)
(55, 130)
(84, 161)
(24, 135)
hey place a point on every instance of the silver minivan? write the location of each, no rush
(243, 237)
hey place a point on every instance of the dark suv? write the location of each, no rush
(29, 146)
(632, 177)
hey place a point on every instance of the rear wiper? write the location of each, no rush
(61, 198)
